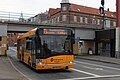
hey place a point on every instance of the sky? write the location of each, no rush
(38, 6)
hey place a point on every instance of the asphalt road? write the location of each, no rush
(84, 70)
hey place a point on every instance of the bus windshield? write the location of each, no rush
(56, 44)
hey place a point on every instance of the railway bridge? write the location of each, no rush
(7, 27)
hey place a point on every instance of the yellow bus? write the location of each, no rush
(47, 48)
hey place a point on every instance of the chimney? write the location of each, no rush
(108, 9)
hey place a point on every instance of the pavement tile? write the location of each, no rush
(7, 72)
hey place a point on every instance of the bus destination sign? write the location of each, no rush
(55, 31)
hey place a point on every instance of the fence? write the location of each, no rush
(13, 16)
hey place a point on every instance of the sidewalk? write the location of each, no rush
(100, 58)
(7, 72)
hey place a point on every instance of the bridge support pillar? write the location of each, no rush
(117, 54)
(118, 29)
(4, 46)
(3, 40)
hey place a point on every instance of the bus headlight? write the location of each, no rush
(71, 62)
(40, 61)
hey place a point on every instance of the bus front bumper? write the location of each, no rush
(54, 66)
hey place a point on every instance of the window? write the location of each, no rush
(98, 21)
(58, 19)
(75, 18)
(111, 23)
(107, 23)
(52, 20)
(86, 20)
(114, 23)
(81, 19)
(64, 17)
(93, 21)
(64, 8)
(28, 44)
(57, 44)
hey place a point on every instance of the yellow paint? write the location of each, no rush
(56, 62)
(75, 48)
(4, 45)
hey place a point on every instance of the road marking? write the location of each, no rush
(98, 65)
(86, 78)
(93, 68)
(18, 70)
(88, 73)
(13, 49)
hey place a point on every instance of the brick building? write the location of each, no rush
(87, 22)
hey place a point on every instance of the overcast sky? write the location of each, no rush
(38, 6)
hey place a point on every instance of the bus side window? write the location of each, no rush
(28, 44)
(33, 46)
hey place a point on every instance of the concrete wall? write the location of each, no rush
(118, 29)
(3, 30)
(3, 35)
(117, 54)
(85, 34)
(4, 45)
(19, 28)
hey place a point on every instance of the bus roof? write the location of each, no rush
(27, 34)
(33, 31)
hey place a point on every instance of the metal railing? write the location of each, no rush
(13, 16)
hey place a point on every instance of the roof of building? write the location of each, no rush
(53, 11)
(89, 10)
(83, 9)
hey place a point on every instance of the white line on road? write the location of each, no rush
(13, 49)
(86, 78)
(93, 68)
(18, 70)
(88, 73)
(98, 65)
